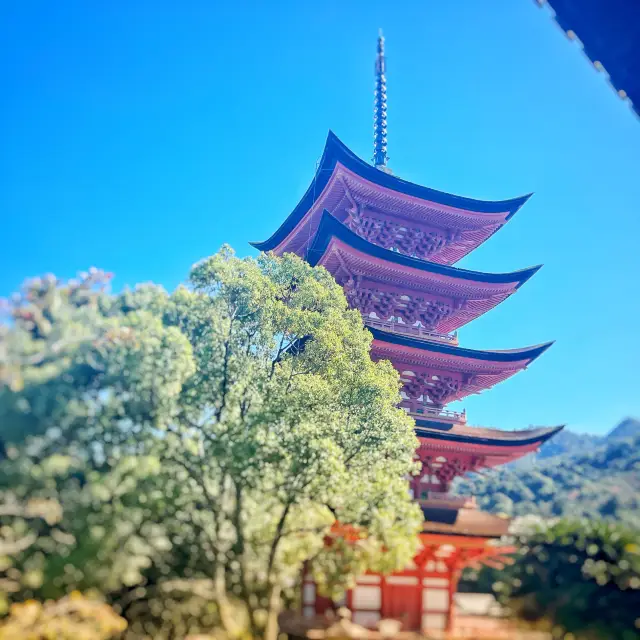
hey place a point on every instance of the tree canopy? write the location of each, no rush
(217, 434)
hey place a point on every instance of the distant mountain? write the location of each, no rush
(598, 477)
(573, 443)
(570, 442)
(628, 428)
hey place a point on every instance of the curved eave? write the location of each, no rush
(330, 227)
(488, 437)
(335, 151)
(513, 355)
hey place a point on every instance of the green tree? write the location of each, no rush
(220, 433)
(73, 481)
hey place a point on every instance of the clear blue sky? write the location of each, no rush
(140, 136)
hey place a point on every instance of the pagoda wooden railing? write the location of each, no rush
(419, 410)
(410, 330)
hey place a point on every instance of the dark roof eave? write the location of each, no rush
(461, 534)
(514, 355)
(336, 151)
(330, 227)
(502, 442)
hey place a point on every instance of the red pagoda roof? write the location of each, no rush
(379, 274)
(506, 356)
(485, 436)
(344, 184)
(442, 373)
(492, 447)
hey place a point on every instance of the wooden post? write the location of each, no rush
(420, 574)
(454, 575)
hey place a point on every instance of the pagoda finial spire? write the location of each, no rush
(380, 110)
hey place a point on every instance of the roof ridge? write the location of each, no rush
(336, 151)
(332, 138)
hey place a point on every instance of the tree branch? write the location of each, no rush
(276, 539)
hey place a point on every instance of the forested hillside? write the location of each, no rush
(574, 443)
(603, 482)
(566, 441)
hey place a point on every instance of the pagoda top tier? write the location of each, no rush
(388, 211)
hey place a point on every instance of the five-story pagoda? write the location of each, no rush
(391, 244)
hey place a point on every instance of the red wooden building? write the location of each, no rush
(392, 245)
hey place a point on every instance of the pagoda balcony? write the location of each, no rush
(420, 410)
(410, 330)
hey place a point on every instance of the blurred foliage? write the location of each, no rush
(575, 577)
(215, 434)
(602, 483)
(71, 618)
(566, 441)
(174, 609)
(580, 529)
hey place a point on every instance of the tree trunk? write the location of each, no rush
(271, 628)
(225, 609)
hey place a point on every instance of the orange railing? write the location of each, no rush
(419, 410)
(410, 330)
